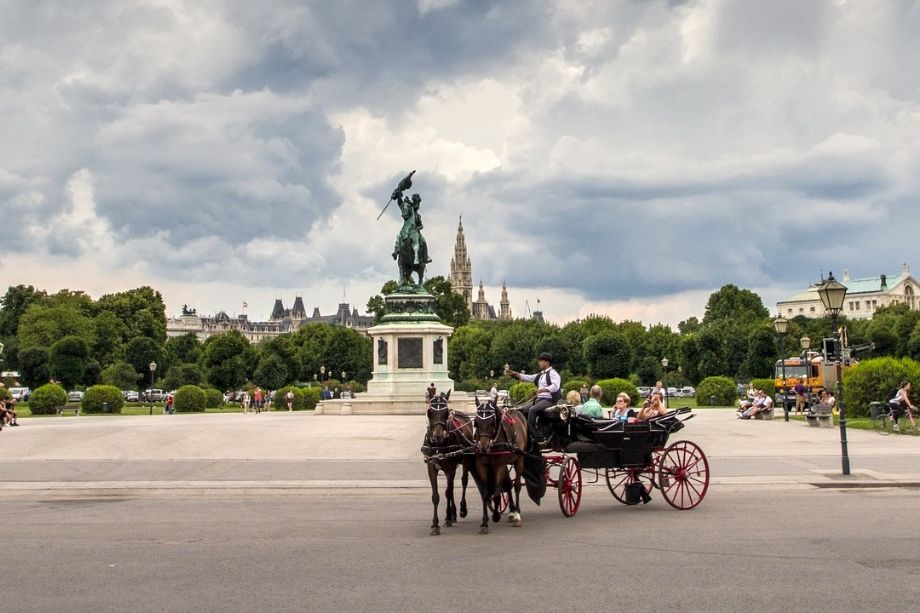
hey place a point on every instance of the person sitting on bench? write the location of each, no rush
(761, 403)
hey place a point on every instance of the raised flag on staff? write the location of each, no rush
(245, 305)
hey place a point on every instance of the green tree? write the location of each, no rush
(108, 344)
(141, 351)
(224, 358)
(141, 310)
(608, 355)
(469, 355)
(121, 375)
(13, 306)
(377, 304)
(35, 366)
(271, 373)
(182, 374)
(762, 352)
(449, 305)
(42, 326)
(283, 347)
(732, 304)
(184, 349)
(68, 360)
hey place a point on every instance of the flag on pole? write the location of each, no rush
(245, 304)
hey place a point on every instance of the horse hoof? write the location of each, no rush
(517, 522)
(511, 517)
(496, 517)
(462, 512)
(435, 531)
(484, 530)
(448, 524)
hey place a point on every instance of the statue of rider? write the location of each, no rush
(411, 228)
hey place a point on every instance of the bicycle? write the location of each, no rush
(886, 423)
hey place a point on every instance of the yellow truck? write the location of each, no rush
(811, 370)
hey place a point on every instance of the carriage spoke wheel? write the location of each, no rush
(619, 478)
(505, 501)
(569, 487)
(683, 475)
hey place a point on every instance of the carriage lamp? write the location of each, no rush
(781, 325)
(832, 294)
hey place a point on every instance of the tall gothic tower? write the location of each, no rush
(461, 271)
(505, 312)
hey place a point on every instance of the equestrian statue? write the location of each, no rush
(411, 250)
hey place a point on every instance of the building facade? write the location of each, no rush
(281, 321)
(864, 296)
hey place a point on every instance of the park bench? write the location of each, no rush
(820, 416)
(75, 408)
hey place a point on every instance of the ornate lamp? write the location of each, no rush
(832, 294)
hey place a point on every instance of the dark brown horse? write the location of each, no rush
(501, 438)
(449, 432)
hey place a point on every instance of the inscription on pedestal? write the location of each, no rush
(409, 353)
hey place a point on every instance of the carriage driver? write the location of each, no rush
(549, 386)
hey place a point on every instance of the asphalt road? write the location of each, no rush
(757, 548)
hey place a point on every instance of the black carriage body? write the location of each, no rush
(615, 444)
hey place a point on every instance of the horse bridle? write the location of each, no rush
(488, 412)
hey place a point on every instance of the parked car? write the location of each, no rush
(131, 396)
(75, 396)
(20, 393)
(644, 391)
(154, 395)
(688, 391)
(671, 391)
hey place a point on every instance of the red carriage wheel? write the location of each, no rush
(506, 496)
(569, 487)
(619, 478)
(683, 475)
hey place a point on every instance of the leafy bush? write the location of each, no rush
(310, 398)
(721, 389)
(99, 395)
(5, 393)
(357, 388)
(574, 384)
(767, 385)
(872, 380)
(521, 391)
(281, 402)
(189, 399)
(214, 399)
(45, 398)
(614, 386)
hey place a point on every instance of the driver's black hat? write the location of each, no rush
(546, 356)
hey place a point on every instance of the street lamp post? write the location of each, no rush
(322, 373)
(153, 369)
(343, 377)
(832, 294)
(781, 325)
(664, 365)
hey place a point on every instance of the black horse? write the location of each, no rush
(448, 433)
(501, 438)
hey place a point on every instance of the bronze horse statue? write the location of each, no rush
(501, 439)
(449, 432)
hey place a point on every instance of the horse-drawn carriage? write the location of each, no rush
(634, 459)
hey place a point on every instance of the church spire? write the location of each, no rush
(461, 271)
(505, 312)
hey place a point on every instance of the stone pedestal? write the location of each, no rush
(410, 352)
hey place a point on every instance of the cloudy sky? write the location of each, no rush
(625, 157)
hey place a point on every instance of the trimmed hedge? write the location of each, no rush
(574, 384)
(521, 391)
(722, 389)
(280, 403)
(767, 385)
(190, 399)
(310, 398)
(213, 398)
(99, 395)
(614, 386)
(872, 380)
(45, 398)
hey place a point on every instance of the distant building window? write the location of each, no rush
(790, 311)
(857, 305)
(875, 304)
(801, 309)
(868, 304)
(812, 309)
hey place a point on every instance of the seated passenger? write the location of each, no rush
(573, 398)
(592, 408)
(654, 409)
(621, 408)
